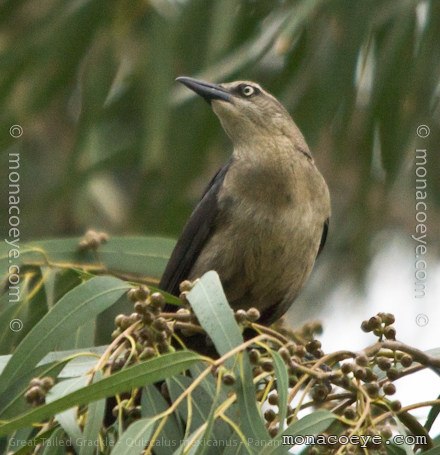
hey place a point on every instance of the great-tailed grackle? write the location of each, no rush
(264, 216)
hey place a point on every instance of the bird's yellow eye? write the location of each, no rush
(248, 90)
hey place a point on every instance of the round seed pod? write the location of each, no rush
(389, 388)
(406, 360)
(253, 314)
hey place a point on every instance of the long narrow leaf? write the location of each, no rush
(311, 424)
(282, 384)
(135, 438)
(144, 373)
(212, 309)
(153, 403)
(139, 255)
(95, 416)
(251, 420)
(433, 414)
(67, 419)
(77, 307)
(209, 303)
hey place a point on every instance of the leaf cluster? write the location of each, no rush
(140, 389)
(112, 138)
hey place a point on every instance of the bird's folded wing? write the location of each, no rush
(194, 236)
(324, 235)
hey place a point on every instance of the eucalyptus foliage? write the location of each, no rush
(110, 142)
(97, 366)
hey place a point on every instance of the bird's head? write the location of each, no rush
(247, 112)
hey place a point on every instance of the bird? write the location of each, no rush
(263, 218)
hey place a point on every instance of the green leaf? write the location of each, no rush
(77, 307)
(209, 303)
(153, 403)
(433, 414)
(208, 382)
(29, 300)
(81, 337)
(392, 449)
(12, 401)
(200, 401)
(236, 447)
(222, 430)
(105, 321)
(67, 419)
(311, 424)
(20, 438)
(251, 420)
(58, 282)
(435, 352)
(95, 417)
(52, 444)
(145, 256)
(282, 383)
(203, 410)
(135, 438)
(144, 373)
(211, 433)
(6, 316)
(79, 361)
(433, 451)
(29, 444)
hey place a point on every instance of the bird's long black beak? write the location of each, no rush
(206, 90)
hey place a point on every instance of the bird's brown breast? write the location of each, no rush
(266, 254)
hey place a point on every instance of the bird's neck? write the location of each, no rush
(274, 154)
(268, 172)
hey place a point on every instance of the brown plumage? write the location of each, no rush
(263, 218)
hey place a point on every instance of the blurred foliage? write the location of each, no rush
(110, 142)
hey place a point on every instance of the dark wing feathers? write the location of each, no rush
(194, 236)
(324, 235)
